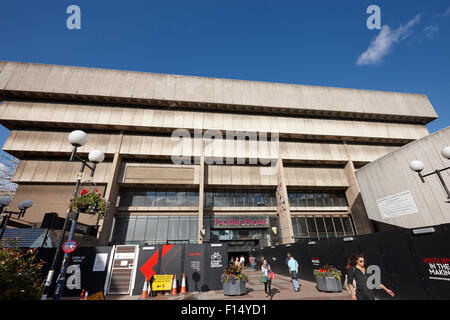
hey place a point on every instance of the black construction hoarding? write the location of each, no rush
(202, 264)
(432, 254)
(87, 269)
(194, 267)
(414, 265)
(148, 265)
(216, 259)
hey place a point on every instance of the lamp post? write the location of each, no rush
(417, 166)
(5, 202)
(77, 138)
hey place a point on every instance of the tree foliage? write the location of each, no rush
(20, 273)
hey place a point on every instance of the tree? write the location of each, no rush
(20, 273)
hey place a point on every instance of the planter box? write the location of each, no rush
(328, 284)
(234, 289)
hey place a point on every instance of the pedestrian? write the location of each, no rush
(242, 261)
(288, 258)
(356, 270)
(265, 278)
(231, 261)
(251, 260)
(293, 270)
(237, 263)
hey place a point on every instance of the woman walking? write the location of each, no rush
(357, 271)
(265, 275)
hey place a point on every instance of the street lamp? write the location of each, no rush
(77, 138)
(418, 166)
(5, 202)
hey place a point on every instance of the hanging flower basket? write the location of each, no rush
(89, 202)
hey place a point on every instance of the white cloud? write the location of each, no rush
(447, 12)
(382, 44)
(429, 30)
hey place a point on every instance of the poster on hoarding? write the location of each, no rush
(438, 268)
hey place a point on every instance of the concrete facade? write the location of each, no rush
(391, 175)
(324, 134)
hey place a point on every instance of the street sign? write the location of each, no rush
(69, 246)
(162, 282)
(79, 176)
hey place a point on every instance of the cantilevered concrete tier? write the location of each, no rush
(42, 81)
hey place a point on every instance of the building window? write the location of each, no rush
(240, 198)
(158, 198)
(331, 233)
(155, 229)
(321, 230)
(317, 199)
(315, 228)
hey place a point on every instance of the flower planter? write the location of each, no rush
(237, 288)
(328, 284)
(83, 209)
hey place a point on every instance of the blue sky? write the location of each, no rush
(304, 42)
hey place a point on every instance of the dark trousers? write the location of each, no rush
(268, 286)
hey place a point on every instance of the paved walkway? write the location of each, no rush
(282, 289)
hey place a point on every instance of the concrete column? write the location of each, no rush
(112, 191)
(355, 202)
(283, 209)
(201, 192)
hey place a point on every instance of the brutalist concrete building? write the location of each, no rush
(223, 190)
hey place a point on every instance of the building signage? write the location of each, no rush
(395, 205)
(100, 262)
(124, 255)
(216, 260)
(438, 268)
(241, 222)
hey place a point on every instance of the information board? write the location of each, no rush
(162, 282)
(395, 205)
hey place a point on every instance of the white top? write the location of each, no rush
(265, 270)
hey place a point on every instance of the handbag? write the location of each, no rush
(271, 275)
(294, 275)
(263, 279)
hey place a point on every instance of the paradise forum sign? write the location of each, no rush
(241, 222)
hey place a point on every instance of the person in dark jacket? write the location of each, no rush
(357, 271)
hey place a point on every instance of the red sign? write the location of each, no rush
(242, 222)
(69, 246)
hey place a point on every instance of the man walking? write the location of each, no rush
(293, 269)
(251, 260)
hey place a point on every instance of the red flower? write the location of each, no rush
(99, 194)
(96, 190)
(84, 191)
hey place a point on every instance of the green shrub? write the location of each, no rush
(20, 273)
